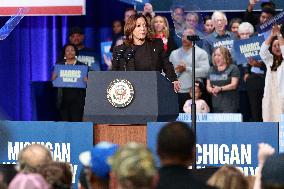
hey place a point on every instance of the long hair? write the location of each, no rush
(129, 27)
(166, 29)
(228, 177)
(277, 60)
(225, 53)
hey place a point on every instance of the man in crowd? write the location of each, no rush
(176, 157)
(32, 157)
(182, 62)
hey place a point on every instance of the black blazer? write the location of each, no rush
(147, 57)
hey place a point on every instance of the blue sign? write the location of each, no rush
(211, 117)
(65, 140)
(247, 48)
(266, 26)
(106, 54)
(90, 58)
(226, 143)
(70, 76)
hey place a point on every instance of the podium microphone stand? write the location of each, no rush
(193, 39)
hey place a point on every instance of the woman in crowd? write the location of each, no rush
(222, 82)
(234, 25)
(160, 29)
(71, 101)
(208, 27)
(252, 83)
(272, 53)
(117, 32)
(228, 177)
(140, 52)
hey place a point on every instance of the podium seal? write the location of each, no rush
(120, 93)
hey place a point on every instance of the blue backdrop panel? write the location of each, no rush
(65, 140)
(207, 5)
(226, 143)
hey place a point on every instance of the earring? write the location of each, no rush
(64, 57)
(76, 57)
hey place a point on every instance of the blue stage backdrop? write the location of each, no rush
(31, 50)
(226, 143)
(65, 140)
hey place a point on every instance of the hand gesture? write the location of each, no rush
(275, 30)
(176, 86)
(264, 151)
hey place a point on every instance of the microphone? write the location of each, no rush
(193, 37)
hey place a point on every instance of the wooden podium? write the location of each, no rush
(154, 100)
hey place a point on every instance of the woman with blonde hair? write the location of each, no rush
(228, 177)
(222, 82)
(160, 29)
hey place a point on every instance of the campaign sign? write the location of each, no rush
(247, 48)
(266, 26)
(281, 134)
(90, 58)
(105, 53)
(65, 140)
(211, 117)
(226, 143)
(70, 76)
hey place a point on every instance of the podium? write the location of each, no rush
(153, 100)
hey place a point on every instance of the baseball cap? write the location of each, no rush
(133, 162)
(76, 30)
(97, 158)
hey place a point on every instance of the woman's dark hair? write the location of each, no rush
(130, 25)
(206, 18)
(276, 59)
(61, 59)
(234, 20)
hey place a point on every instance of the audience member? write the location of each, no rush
(220, 37)
(133, 167)
(182, 61)
(57, 174)
(234, 25)
(176, 157)
(272, 53)
(85, 54)
(140, 52)
(33, 156)
(29, 181)
(71, 101)
(192, 21)
(208, 27)
(178, 17)
(264, 151)
(7, 173)
(160, 29)
(130, 11)
(252, 82)
(228, 177)
(148, 9)
(201, 105)
(272, 172)
(96, 168)
(222, 82)
(117, 32)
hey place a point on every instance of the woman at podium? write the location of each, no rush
(140, 52)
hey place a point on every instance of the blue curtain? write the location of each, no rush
(31, 50)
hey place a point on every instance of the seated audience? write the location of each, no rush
(29, 181)
(96, 168)
(33, 156)
(133, 167)
(57, 174)
(176, 157)
(228, 177)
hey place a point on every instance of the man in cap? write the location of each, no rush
(86, 55)
(96, 168)
(133, 167)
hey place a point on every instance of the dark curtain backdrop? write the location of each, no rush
(31, 50)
